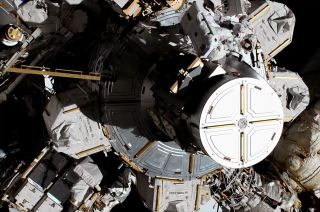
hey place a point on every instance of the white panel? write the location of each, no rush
(259, 142)
(221, 110)
(263, 102)
(224, 143)
(244, 125)
(28, 196)
(48, 205)
(121, 3)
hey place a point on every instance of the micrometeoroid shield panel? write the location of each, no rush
(241, 122)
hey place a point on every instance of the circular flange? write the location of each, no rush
(241, 122)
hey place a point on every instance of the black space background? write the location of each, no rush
(306, 39)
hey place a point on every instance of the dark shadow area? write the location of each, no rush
(305, 38)
(132, 203)
(111, 173)
(22, 130)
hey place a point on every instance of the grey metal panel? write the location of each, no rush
(292, 91)
(123, 122)
(164, 160)
(129, 71)
(42, 175)
(131, 129)
(155, 162)
(166, 195)
(60, 191)
(130, 134)
(176, 164)
(203, 163)
(48, 205)
(58, 161)
(273, 24)
(29, 195)
(168, 17)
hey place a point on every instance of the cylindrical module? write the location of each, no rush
(229, 112)
(238, 121)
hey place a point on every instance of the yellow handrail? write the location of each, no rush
(24, 69)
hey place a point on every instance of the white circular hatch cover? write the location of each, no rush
(241, 122)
